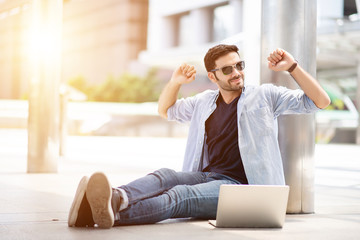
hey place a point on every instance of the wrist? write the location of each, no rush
(293, 66)
(174, 82)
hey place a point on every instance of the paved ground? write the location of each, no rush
(35, 206)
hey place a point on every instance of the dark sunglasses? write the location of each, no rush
(229, 69)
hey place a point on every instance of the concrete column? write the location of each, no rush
(291, 25)
(16, 58)
(63, 126)
(203, 22)
(170, 31)
(252, 36)
(358, 85)
(43, 122)
(237, 6)
(358, 100)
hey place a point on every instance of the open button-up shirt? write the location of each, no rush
(257, 110)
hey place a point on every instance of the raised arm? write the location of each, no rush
(280, 60)
(183, 74)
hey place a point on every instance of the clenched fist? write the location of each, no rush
(184, 74)
(280, 60)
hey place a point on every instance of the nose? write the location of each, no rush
(236, 71)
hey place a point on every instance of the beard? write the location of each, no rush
(229, 85)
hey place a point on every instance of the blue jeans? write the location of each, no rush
(166, 194)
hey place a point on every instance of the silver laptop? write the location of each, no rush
(251, 206)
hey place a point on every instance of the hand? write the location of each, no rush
(184, 74)
(280, 60)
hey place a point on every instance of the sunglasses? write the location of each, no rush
(229, 69)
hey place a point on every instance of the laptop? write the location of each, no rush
(251, 206)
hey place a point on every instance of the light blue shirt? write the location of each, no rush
(257, 110)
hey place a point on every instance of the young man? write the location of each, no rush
(232, 140)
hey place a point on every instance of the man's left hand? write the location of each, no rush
(280, 60)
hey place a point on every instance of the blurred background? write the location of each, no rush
(112, 58)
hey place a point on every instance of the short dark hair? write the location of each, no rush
(216, 52)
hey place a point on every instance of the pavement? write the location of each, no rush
(35, 206)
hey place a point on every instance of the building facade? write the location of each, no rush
(184, 31)
(100, 38)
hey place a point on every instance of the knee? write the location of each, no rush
(164, 172)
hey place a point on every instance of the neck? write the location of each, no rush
(229, 96)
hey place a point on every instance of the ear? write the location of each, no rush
(211, 76)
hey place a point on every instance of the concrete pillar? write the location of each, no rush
(358, 100)
(63, 126)
(291, 25)
(170, 31)
(202, 22)
(16, 58)
(238, 20)
(252, 37)
(357, 2)
(43, 122)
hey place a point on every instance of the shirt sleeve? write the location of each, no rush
(182, 110)
(287, 101)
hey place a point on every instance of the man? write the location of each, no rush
(232, 140)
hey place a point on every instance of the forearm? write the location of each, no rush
(168, 97)
(311, 87)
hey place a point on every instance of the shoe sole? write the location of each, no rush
(99, 193)
(75, 206)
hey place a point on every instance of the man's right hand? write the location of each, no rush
(184, 74)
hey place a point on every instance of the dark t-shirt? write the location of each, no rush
(222, 140)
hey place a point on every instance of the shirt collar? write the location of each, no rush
(217, 94)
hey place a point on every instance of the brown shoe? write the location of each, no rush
(80, 212)
(99, 196)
